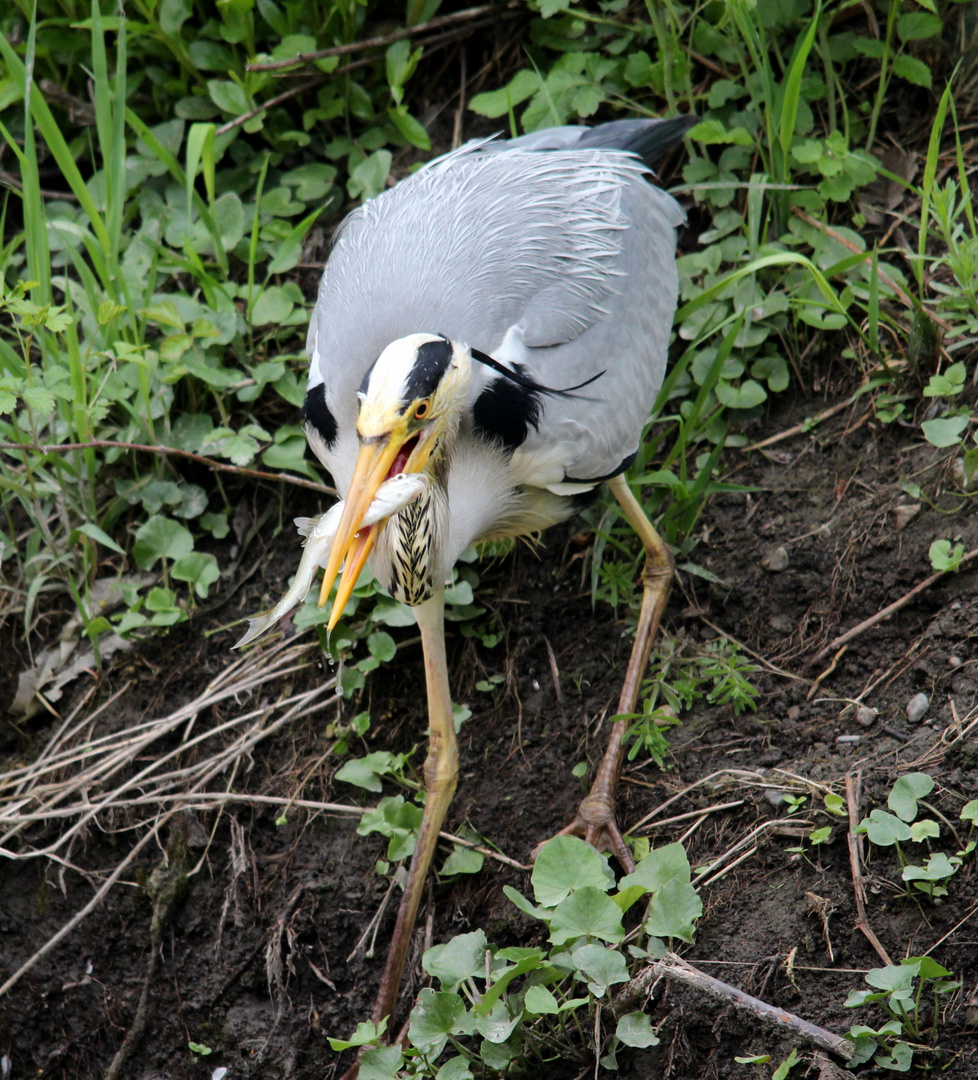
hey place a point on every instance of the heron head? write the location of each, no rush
(411, 401)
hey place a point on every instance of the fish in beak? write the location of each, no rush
(381, 457)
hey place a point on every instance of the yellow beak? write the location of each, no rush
(353, 543)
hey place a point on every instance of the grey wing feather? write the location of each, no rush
(560, 260)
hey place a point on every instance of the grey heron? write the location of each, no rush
(487, 344)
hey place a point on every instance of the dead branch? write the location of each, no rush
(891, 609)
(170, 451)
(672, 966)
(88, 908)
(853, 784)
(305, 59)
(885, 278)
(799, 429)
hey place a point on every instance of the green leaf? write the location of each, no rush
(456, 1068)
(365, 772)
(436, 1016)
(93, 532)
(884, 829)
(943, 557)
(410, 128)
(913, 70)
(366, 1032)
(937, 868)
(746, 395)
(200, 569)
(918, 25)
(906, 791)
(635, 1029)
(498, 1025)
(659, 866)
(601, 966)
(461, 958)
(161, 538)
(925, 829)
(674, 910)
(945, 431)
(524, 905)
(894, 978)
(540, 1001)
(496, 103)
(381, 1063)
(382, 646)
(463, 860)
(781, 1072)
(774, 371)
(588, 912)
(567, 863)
(899, 1060)
(369, 178)
(228, 96)
(711, 132)
(272, 305)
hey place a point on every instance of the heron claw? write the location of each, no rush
(595, 824)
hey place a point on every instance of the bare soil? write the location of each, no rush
(259, 954)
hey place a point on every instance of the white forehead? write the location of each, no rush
(389, 377)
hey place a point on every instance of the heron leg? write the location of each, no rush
(595, 821)
(441, 775)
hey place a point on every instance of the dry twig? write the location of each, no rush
(672, 966)
(305, 59)
(169, 451)
(867, 624)
(853, 784)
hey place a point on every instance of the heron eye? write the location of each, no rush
(421, 410)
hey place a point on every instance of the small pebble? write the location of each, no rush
(954, 661)
(865, 715)
(775, 798)
(794, 711)
(776, 559)
(917, 707)
(904, 514)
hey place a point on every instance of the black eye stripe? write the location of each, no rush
(429, 367)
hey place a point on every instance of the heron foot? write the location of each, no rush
(595, 824)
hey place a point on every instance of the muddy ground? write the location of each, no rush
(258, 955)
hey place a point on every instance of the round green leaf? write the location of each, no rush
(906, 791)
(635, 1029)
(436, 1016)
(567, 863)
(540, 1002)
(458, 959)
(161, 538)
(588, 912)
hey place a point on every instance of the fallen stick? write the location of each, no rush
(168, 451)
(799, 429)
(855, 866)
(305, 59)
(867, 624)
(92, 904)
(672, 966)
